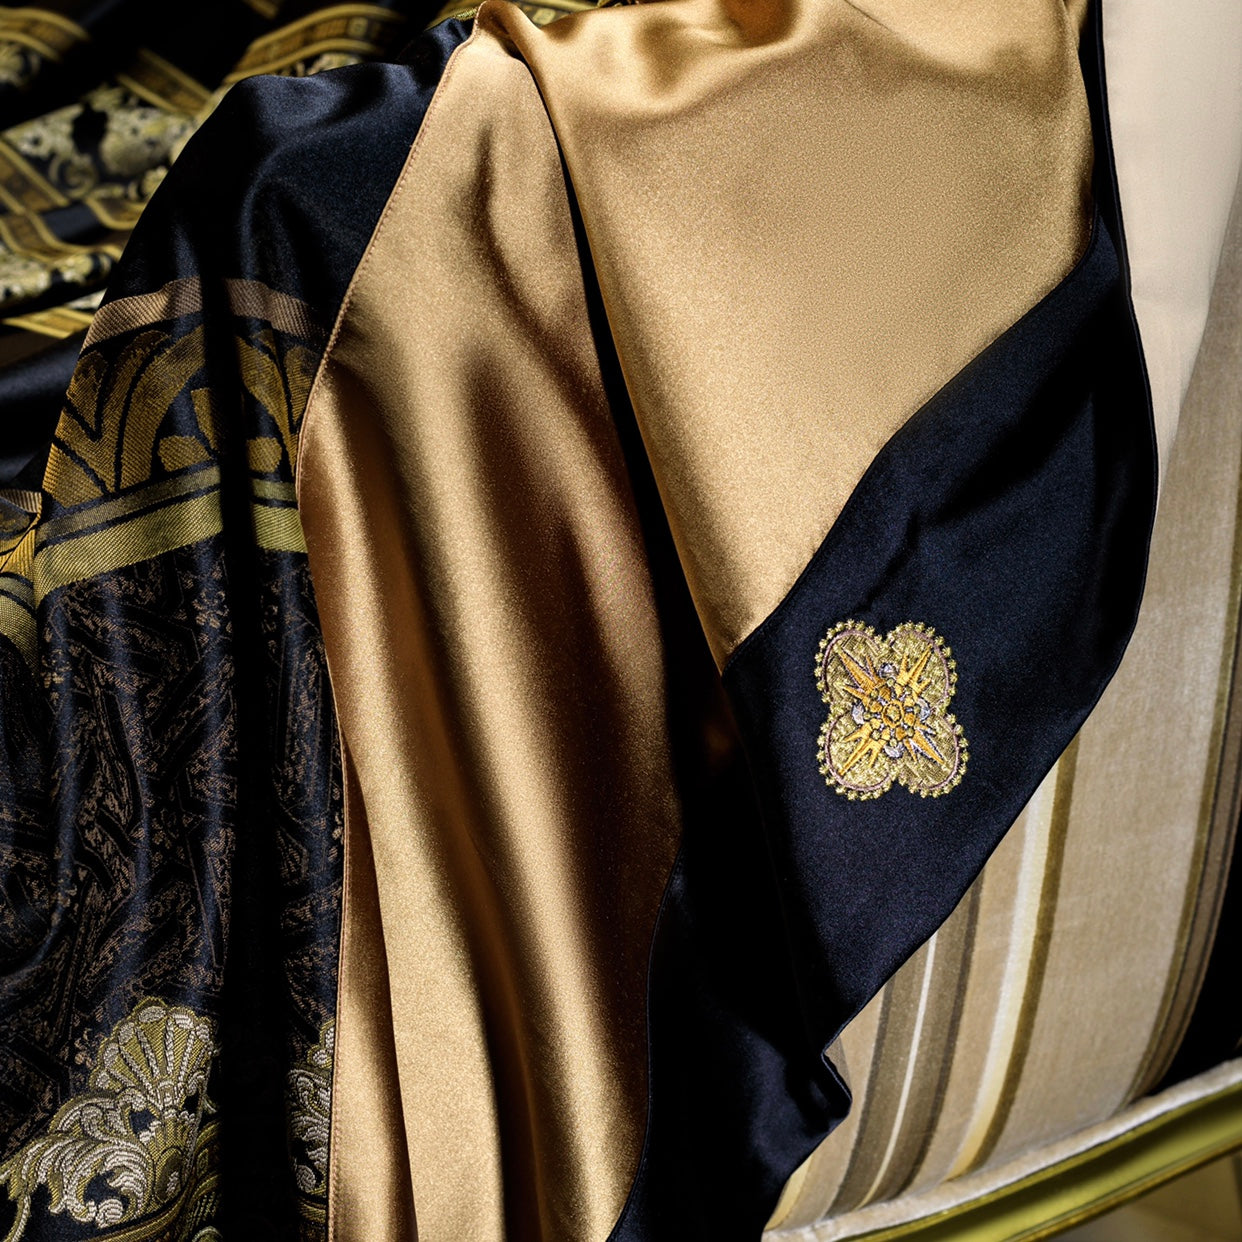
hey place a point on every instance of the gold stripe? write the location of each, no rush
(59, 322)
(141, 538)
(337, 14)
(21, 188)
(184, 296)
(68, 32)
(1088, 1183)
(16, 607)
(254, 300)
(278, 530)
(119, 215)
(265, 489)
(30, 38)
(27, 234)
(23, 498)
(163, 84)
(19, 559)
(347, 27)
(17, 624)
(355, 47)
(129, 505)
(540, 14)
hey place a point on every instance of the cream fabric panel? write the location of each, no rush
(1175, 97)
(997, 1179)
(1067, 973)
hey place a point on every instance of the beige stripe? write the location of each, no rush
(949, 987)
(875, 1106)
(907, 1080)
(1041, 1192)
(1043, 851)
(911, 1067)
(1220, 366)
(821, 1175)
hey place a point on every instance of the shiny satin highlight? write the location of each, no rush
(500, 681)
(806, 216)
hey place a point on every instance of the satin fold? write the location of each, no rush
(499, 674)
(806, 216)
(803, 220)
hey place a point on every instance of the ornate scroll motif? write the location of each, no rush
(124, 1148)
(888, 718)
(310, 1091)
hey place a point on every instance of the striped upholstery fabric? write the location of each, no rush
(1059, 990)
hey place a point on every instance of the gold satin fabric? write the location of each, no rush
(377, 1201)
(806, 216)
(500, 681)
(804, 219)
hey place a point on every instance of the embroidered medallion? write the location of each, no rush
(888, 719)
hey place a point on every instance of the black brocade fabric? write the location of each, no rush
(170, 790)
(97, 99)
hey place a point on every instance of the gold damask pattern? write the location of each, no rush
(138, 1150)
(327, 38)
(888, 719)
(310, 1090)
(30, 39)
(540, 14)
(125, 1149)
(139, 120)
(132, 471)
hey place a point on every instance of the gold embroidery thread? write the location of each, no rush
(888, 719)
(124, 1148)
